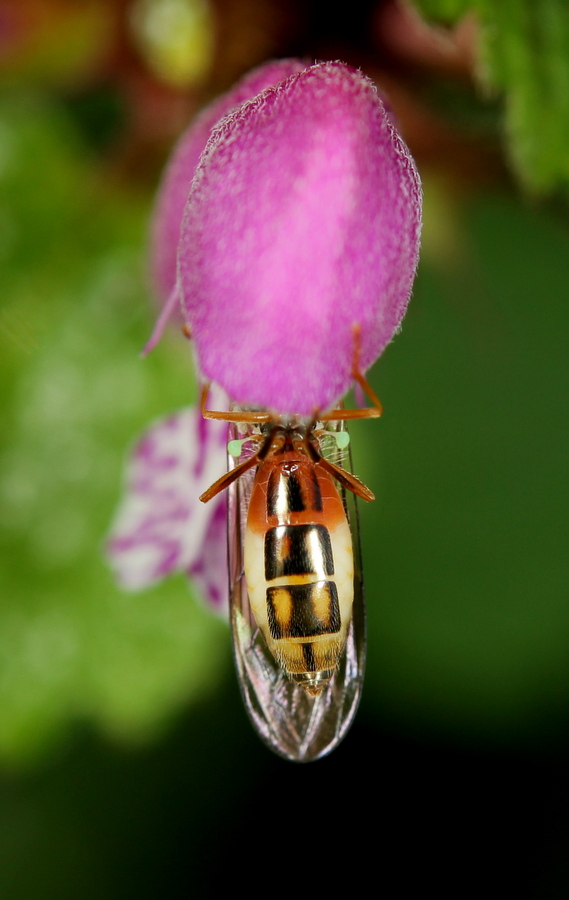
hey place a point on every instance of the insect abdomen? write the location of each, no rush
(299, 569)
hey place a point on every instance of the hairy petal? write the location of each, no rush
(303, 219)
(161, 526)
(177, 178)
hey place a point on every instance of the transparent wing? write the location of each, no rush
(291, 722)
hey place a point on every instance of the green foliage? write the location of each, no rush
(523, 49)
(444, 11)
(74, 395)
(465, 550)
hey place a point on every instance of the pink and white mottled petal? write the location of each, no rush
(208, 572)
(161, 523)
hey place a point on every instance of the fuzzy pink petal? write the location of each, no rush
(303, 219)
(161, 526)
(175, 186)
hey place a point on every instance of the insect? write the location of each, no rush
(297, 609)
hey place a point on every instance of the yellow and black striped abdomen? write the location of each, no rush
(299, 568)
(302, 599)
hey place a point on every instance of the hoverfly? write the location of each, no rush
(296, 599)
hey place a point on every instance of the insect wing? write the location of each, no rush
(292, 723)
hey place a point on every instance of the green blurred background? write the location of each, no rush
(128, 767)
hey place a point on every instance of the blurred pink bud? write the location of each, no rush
(177, 179)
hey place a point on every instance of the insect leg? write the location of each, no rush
(241, 416)
(372, 412)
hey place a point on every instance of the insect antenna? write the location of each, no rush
(345, 478)
(229, 477)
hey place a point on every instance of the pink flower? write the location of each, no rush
(302, 218)
(289, 213)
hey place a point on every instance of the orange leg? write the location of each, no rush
(371, 412)
(242, 416)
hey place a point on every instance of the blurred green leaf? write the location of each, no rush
(524, 55)
(465, 551)
(75, 394)
(447, 11)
